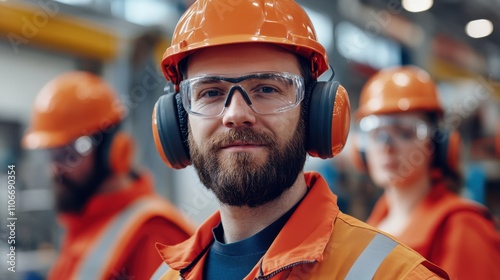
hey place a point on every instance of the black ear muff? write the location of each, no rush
(169, 124)
(121, 153)
(329, 119)
(447, 150)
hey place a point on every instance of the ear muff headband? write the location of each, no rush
(329, 119)
(170, 139)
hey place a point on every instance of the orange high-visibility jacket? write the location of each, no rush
(451, 232)
(317, 242)
(114, 237)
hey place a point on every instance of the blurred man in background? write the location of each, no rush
(246, 110)
(109, 210)
(408, 153)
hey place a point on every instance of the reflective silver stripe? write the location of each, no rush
(162, 269)
(96, 261)
(370, 259)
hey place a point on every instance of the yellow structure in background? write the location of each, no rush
(45, 25)
(443, 70)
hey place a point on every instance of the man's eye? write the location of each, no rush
(267, 90)
(209, 93)
(212, 93)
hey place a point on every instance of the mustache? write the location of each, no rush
(239, 135)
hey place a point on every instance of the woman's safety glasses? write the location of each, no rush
(391, 129)
(265, 93)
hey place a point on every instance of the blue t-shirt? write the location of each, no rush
(235, 260)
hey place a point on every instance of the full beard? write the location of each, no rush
(239, 179)
(72, 196)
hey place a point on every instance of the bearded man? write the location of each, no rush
(246, 111)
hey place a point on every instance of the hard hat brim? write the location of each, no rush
(44, 140)
(302, 46)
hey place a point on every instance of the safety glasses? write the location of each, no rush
(394, 128)
(265, 93)
(69, 153)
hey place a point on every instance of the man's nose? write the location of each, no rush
(238, 111)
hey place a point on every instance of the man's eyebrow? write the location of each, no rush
(210, 80)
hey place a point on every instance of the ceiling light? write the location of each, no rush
(76, 2)
(416, 6)
(479, 28)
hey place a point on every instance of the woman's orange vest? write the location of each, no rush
(456, 234)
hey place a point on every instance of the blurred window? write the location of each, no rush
(366, 48)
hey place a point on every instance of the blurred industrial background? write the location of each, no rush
(457, 41)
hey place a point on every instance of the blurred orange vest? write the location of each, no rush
(101, 243)
(456, 234)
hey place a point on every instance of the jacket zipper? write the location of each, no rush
(272, 274)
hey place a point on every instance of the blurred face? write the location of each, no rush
(398, 148)
(74, 175)
(246, 153)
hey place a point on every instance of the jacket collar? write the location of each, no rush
(303, 238)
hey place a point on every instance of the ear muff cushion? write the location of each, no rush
(103, 141)
(329, 119)
(169, 134)
(183, 121)
(121, 153)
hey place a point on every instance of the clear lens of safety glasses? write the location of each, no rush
(265, 93)
(394, 127)
(69, 153)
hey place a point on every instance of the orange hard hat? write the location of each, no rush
(209, 23)
(72, 105)
(399, 89)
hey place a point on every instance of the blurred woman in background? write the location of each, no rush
(408, 154)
